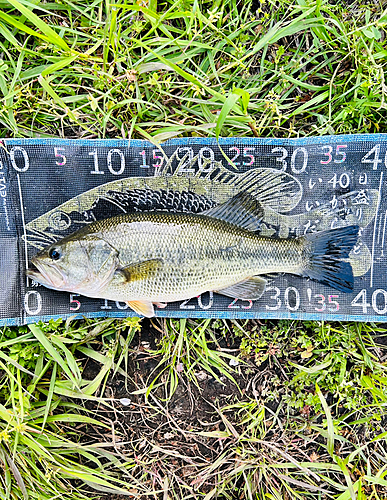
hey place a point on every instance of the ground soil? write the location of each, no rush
(149, 424)
(160, 438)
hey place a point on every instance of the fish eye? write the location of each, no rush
(54, 254)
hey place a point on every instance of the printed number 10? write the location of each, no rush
(111, 152)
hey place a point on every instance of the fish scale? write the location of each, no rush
(198, 253)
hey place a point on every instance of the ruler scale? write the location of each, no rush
(50, 188)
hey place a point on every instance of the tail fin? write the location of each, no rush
(327, 252)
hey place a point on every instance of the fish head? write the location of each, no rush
(73, 264)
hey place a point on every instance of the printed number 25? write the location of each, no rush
(246, 154)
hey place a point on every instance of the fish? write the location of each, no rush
(211, 182)
(147, 258)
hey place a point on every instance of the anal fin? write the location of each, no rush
(142, 307)
(250, 289)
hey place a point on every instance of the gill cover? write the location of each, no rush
(93, 262)
(83, 265)
(100, 255)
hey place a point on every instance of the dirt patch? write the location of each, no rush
(181, 429)
(171, 445)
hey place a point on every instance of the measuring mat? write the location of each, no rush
(50, 188)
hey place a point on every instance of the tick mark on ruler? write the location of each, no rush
(384, 229)
(374, 233)
(24, 226)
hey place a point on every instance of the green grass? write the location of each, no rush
(294, 421)
(300, 408)
(191, 68)
(41, 451)
(185, 348)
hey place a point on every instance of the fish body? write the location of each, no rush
(155, 257)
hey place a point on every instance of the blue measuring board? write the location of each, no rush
(50, 188)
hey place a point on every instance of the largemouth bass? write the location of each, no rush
(156, 257)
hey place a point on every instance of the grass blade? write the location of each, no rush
(227, 107)
(18, 477)
(331, 432)
(40, 336)
(50, 394)
(51, 35)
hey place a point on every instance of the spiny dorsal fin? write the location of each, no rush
(138, 271)
(250, 289)
(242, 210)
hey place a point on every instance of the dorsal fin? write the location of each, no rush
(242, 210)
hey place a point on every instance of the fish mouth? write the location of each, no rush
(45, 274)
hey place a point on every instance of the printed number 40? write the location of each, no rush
(378, 301)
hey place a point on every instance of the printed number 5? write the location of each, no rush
(157, 157)
(336, 304)
(247, 155)
(58, 155)
(73, 301)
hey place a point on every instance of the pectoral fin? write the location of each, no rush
(250, 289)
(139, 270)
(141, 307)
